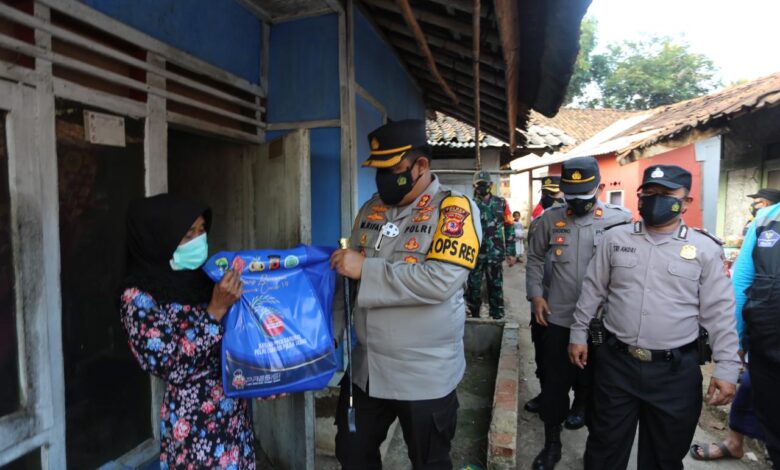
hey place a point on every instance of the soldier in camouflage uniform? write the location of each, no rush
(498, 243)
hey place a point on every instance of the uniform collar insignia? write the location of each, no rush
(638, 226)
(682, 233)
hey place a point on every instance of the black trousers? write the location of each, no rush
(428, 427)
(558, 374)
(765, 375)
(665, 398)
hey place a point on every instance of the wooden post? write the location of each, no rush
(506, 12)
(422, 43)
(476, 33)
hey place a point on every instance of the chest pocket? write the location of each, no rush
(560, 249)
(623, 260)
(412, 248)
(365, 240)
(685, 270)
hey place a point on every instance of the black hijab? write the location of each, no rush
(155, 227)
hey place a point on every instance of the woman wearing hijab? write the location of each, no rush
(171, 312)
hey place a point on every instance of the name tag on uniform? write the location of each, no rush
(688, 252)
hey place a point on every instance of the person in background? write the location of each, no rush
(519, 236)
(498, 244)
(551, 195)
(171, 312)
(742, 417)
(569, 236)
(764, 197)
(756, 280)
(662, 281)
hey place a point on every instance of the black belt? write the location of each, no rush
(648, 355)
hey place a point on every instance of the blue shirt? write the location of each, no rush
(744, 271)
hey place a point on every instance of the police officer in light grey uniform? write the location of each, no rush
(661, 280)
(413, 246)
(569, 235)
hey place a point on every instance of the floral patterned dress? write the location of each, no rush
(199, 426)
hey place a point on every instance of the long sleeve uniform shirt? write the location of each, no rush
(567, 243)
(409, 312)
(659, 291)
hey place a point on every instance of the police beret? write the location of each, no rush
(580, 175)
(668, 176)
(392, 141)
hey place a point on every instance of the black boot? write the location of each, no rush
(551, 454)
(576, 418)
(534, 404)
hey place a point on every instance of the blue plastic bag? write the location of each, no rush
(279, 335)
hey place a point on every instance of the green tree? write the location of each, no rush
(650, 73)
(582, 67)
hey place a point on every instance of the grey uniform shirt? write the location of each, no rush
(409, 314)
(659, 291)
(570, 242)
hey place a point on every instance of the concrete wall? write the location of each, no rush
(463, 182)
(221, 32)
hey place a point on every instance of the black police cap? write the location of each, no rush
(551, 184)
(580, 175)
(770, 194)
(668, 176)
(392, 141)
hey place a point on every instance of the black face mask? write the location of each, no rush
(754, 208)
(659, 209)
(581, 207)
(482, 189)
(392, 187)
(547, 201)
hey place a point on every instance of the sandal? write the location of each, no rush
(725, 453)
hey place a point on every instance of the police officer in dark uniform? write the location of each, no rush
(568, 235)
(661, 281)
(756, 277)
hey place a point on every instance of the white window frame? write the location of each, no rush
(616, 191)
(39, 423)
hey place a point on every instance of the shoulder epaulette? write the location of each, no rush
(615, 206)
(618, 224)
(707, 233)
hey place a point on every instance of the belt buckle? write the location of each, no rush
(640, 354)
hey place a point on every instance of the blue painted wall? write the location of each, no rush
(378, 70)
(368, 118)
(221, 32)
(326, 186)
(304, 70)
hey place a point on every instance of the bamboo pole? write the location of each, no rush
(422, 43)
